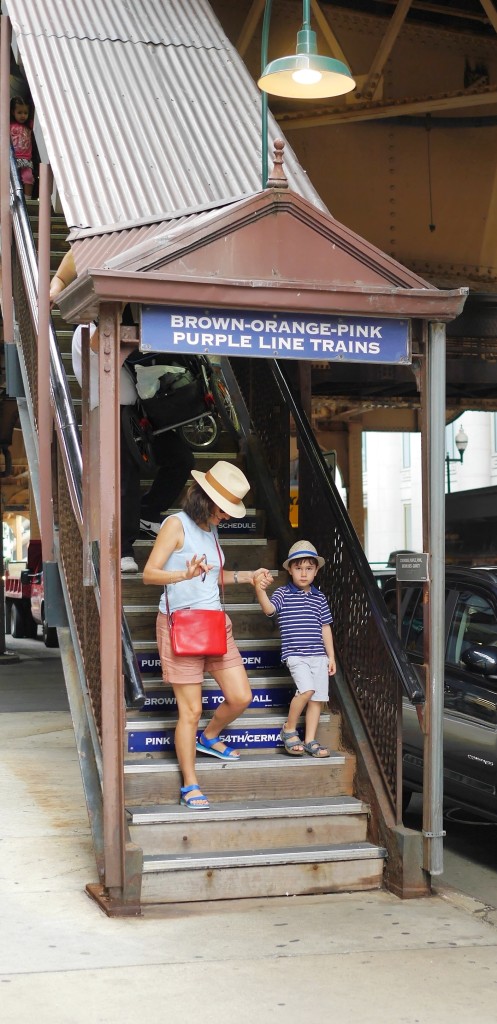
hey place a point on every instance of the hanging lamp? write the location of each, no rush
(306, 74)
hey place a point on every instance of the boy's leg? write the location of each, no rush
(312, 717)
(319, 670)
(296, 708)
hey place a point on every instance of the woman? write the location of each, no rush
(186, 559)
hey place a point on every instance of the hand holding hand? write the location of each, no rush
(262, 579)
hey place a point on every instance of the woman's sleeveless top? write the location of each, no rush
(194, 593)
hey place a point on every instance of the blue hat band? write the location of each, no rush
(302, 554)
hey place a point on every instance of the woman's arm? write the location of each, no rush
(170, 538)
(64, 276)
(238, 576)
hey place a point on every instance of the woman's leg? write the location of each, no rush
(189, 701)
(237, 694)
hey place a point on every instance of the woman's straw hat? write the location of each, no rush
(226, 485)
(303, 549)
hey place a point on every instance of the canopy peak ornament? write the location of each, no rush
(277, 178)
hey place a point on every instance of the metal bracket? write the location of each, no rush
(55, 609)
(434, 835)
(15, 385)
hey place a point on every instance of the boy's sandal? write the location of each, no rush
(196, 803)
(290, 741)
(316, 750)
(206, 746)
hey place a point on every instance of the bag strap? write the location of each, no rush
(221, 571)
(221, 575)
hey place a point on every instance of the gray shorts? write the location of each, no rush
(310, 674)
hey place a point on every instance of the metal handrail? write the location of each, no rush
(64, 414)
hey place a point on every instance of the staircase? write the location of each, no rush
(276, 824)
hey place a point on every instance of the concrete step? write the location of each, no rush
(268, 692)
(239, 552)
(261, 825)
(269, 772)
(287, 871)
(248, 620)
(259, 655)
(258, 730)
(134, 590)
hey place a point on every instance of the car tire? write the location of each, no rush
(8, 612)
(406, 799)
(16, 620)
(30, 626)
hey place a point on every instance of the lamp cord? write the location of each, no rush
(431, 225)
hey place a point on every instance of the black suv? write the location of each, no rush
(470, 686)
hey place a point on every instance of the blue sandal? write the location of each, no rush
(206, 746)
(196, 803)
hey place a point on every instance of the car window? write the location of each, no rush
(474, 623)
(412, 622)
(412, 632)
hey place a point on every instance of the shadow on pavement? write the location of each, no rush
(33, 683)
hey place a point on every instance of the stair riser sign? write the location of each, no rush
(149, 664)
(239, 739)
(159, 701)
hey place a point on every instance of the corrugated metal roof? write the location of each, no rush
(97, 251)
(102, 248)
(145, 107)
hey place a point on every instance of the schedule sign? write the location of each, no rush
(222, 332)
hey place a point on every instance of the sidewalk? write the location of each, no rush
(364, 958)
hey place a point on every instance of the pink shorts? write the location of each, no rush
(182, 669)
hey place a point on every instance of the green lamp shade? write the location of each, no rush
(306, 76)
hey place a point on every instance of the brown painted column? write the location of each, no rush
(6, 220)
(110, 601)
(44, 410)
(433, 482)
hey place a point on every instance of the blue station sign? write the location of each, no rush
(224, 332)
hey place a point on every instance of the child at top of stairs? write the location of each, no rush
(307, 647)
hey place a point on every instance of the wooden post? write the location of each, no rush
(110, 603)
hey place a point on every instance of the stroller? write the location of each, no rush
(183, 393)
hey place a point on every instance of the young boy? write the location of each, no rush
(305, 621)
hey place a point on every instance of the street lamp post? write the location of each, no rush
(461, 440)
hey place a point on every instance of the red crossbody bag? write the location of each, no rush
(198, 631)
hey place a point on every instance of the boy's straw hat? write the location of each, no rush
(303, 549)
(226, 485)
